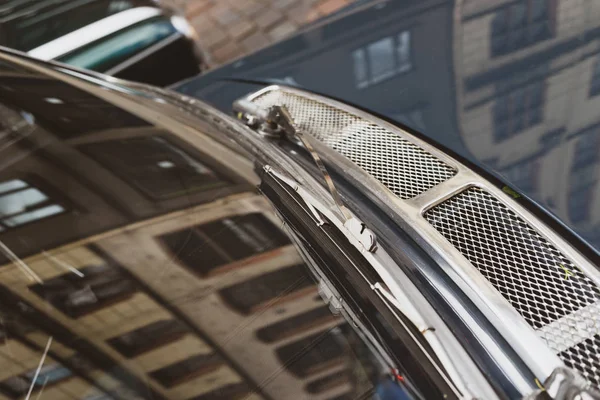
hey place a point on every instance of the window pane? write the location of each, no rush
(157, 167)
(34, 215)
(381, 58)
(517, 15)
(249, 295)
(17, 202)
(11, 185)
(539, 10)
(404, 51)
(116, 49)
(360, 67)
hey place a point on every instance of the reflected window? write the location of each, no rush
(227, 392)
(155, 166)
(149, 337)
(296, 324)
(584, 175)
(113, 50)
(313, 354)
(18, 386)
(382, 59)
(522, 175)
(187, 369)
(75, 295)
(268, 290)
(44, 22)
(206, 248)
(518, 110)
(329, 382)
(521, 24)
(595, 83)
(21, 203)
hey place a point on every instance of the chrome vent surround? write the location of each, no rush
(403, 167)
(540, 293)
(558, 300)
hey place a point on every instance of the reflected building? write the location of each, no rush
(163, 275)
(528, 81)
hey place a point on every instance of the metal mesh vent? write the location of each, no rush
(584, 357)
(404, 168)
(546, 288)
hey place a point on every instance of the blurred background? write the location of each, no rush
(153, 41)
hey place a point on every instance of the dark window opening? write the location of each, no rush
(312, 354)
(230, 392)
(595, 83)
(329, 382)
(100, 286)
(521, 24)
(518, 110)
(268, 290)
(156, 167)
(17, 386)
(149, 337)
(382, 59)
(187, 369)
(523, 175)
(31, 24)
(115, 49)
(21, 203)
(205, 248)
(583, 175)
(295, 325)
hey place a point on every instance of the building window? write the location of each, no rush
(232, 391)
(99, 287)
(21, 203)
(17, 386)
(187, 369)
(295, 325)
(268, 290)
(522, 175)
(156, 167)
(583, 176)
(518, 110)
(587, 149)
(329, 382)
(595, 83)
(205, 248)
(382, 59)
(149, 337)
(312, 354)
(522, 24)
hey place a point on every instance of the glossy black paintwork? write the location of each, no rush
(522, 109)
(139, 261)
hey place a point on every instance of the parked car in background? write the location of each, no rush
(131, 39)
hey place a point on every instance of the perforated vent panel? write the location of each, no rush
(545, 287)
(404, 168)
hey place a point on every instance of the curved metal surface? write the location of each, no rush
(479, 289)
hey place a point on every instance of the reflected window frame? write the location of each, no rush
(53, 204)
(519, 109)
(595, 79)
(397, 51)
(516, 26)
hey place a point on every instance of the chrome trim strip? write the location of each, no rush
(522, 337)
(409, 303)
(92, 32)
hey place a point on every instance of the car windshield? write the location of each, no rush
(26, 24)
(113, 50)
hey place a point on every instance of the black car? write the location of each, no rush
(129, 39)
(298, 245)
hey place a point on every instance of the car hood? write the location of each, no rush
(521, 108)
